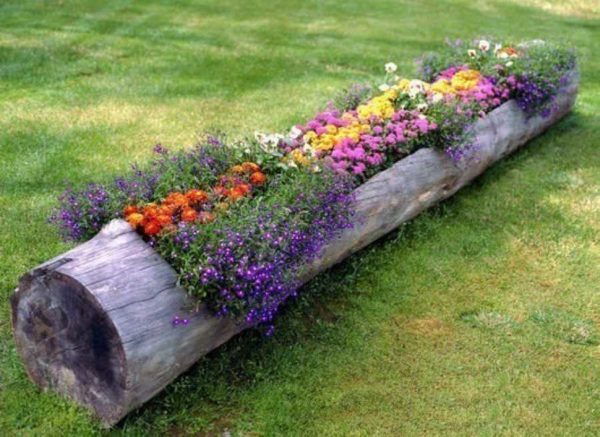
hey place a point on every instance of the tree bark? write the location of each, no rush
(95, 322)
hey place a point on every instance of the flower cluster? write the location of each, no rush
(82, 213)
(532, 73)
(246, 258)
(470, 86)
(359, 140)
(252, 270)
(384, 139)
(195, 205)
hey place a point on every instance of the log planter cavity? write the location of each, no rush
(95, 322)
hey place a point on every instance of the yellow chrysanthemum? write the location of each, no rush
(442, 86)
(298, 157)
(465, 80)
(335, 135)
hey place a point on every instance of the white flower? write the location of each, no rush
(509, 64)
(484, 45)
(295, 133)
(472, 53)
(259, 136)
(502, 55)
(437, 97)
(268, 142)
(307, 149)
(422, 107)
(384, 87)
(316, 168)
(390, 67)
(497, 48)
(397, 78)
(415, 87)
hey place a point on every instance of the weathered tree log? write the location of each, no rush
(95, 323)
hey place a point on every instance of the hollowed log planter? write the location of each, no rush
(95, 323)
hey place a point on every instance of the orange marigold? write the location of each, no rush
(166, 210)
(237, 192)
(189, 215)
(150, 211)
(177, 199)
(257, 178)
(196, 196)
(134, 219)
(238, 169)
(129, 209)
(164, 219)
(151, 228)
(250, 167)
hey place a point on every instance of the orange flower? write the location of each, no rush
(150, 211)
(129, 209)
(189, 215)
(164, 219)
(166, 210)
(196, 196)
(244, 188)
(176, 199)
(257, 178)
(237, 193)
(205, 217)
(135, 219)
(238, 169)
(250, 167)
(151, 228)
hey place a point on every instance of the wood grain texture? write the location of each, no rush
(95, 322)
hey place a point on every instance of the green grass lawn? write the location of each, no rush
(481, 316)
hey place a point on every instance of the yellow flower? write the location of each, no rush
(309, 136)
(442, 86)
(465, 80)
(298, 157)
(403, 85)
(380, 106)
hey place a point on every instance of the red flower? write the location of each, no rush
(151, 228)
(130, 209)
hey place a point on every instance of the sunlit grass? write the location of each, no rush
(481, 316)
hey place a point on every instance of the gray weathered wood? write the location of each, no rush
(95, 322)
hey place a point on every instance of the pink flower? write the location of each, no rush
(422, 124)
(359, 168)
(359, 153)
(337, 153)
